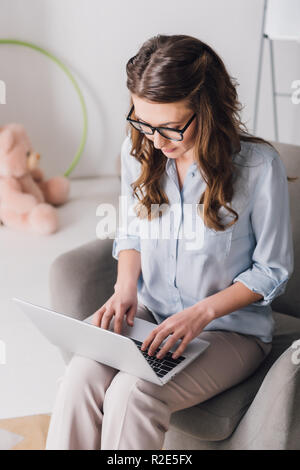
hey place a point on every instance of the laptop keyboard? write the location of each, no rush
(160, 366)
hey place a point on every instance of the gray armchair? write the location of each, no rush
(262, 412)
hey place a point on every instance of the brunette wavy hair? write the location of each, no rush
(167, 69)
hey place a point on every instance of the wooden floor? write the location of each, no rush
(33, 430)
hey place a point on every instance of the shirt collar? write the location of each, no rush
(171, 164)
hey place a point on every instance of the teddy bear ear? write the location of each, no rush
(16, 128)
(6, 140)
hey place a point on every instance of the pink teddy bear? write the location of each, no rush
(26, 200)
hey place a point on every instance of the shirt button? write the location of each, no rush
(193, 174)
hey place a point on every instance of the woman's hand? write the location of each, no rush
(123, 301)
(186, 324)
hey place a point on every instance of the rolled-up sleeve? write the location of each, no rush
(127, 233)
(273, 256)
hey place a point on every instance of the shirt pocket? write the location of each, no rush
(215, 244)
(239, 234)
(218, 242)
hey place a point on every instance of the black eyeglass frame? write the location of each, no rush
(179, 131)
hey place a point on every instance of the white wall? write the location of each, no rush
(96, 38)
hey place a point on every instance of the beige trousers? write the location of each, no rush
(99, 407)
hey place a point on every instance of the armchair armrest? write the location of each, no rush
(81, 280)
(272, 422)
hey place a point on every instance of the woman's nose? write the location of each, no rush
(158, 140)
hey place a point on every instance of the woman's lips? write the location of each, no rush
(169, 151)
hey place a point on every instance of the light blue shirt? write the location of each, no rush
(257, 250)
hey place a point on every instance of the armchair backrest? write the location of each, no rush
(289, 302)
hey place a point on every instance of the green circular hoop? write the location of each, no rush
(78, 91)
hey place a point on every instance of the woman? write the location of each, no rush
(220, 291)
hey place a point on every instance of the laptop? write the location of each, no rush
(120, 351)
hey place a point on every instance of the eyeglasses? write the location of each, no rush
(167, 132)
